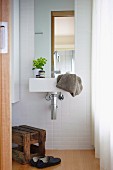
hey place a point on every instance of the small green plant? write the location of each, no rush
(39, 63)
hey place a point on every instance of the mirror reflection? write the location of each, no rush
(63, 42)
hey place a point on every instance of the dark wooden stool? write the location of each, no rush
(25, 137)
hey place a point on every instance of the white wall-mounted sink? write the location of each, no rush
(43, 85)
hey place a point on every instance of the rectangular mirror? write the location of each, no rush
(62, 42)
(53, 40)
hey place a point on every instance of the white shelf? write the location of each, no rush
(43, 85)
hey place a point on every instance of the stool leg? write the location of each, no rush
(42, 148)
(26, 148)
(42, 143)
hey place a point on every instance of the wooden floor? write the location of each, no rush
(71, 160)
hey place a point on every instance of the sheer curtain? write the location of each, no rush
(102, 81)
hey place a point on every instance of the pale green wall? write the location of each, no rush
(43, 10)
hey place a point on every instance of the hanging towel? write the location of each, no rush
(70, 83)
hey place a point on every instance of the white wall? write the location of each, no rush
(15, 96)
(72, 128)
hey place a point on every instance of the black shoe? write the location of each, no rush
(44, 162)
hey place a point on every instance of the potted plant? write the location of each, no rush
(38, 65)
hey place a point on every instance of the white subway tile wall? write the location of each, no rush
(72, 128)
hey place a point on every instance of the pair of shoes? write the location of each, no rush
(43, 162)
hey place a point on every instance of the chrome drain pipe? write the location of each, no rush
(53, 97)
(53, 106)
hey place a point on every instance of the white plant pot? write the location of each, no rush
(36, 72)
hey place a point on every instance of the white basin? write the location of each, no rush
(43, 85)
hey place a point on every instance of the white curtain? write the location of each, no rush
(102, 81)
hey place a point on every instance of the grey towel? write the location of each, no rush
(70, 83)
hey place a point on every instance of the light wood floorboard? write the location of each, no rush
(71, 160)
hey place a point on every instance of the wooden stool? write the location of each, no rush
(25, 137)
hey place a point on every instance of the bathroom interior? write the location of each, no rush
(69, 132)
